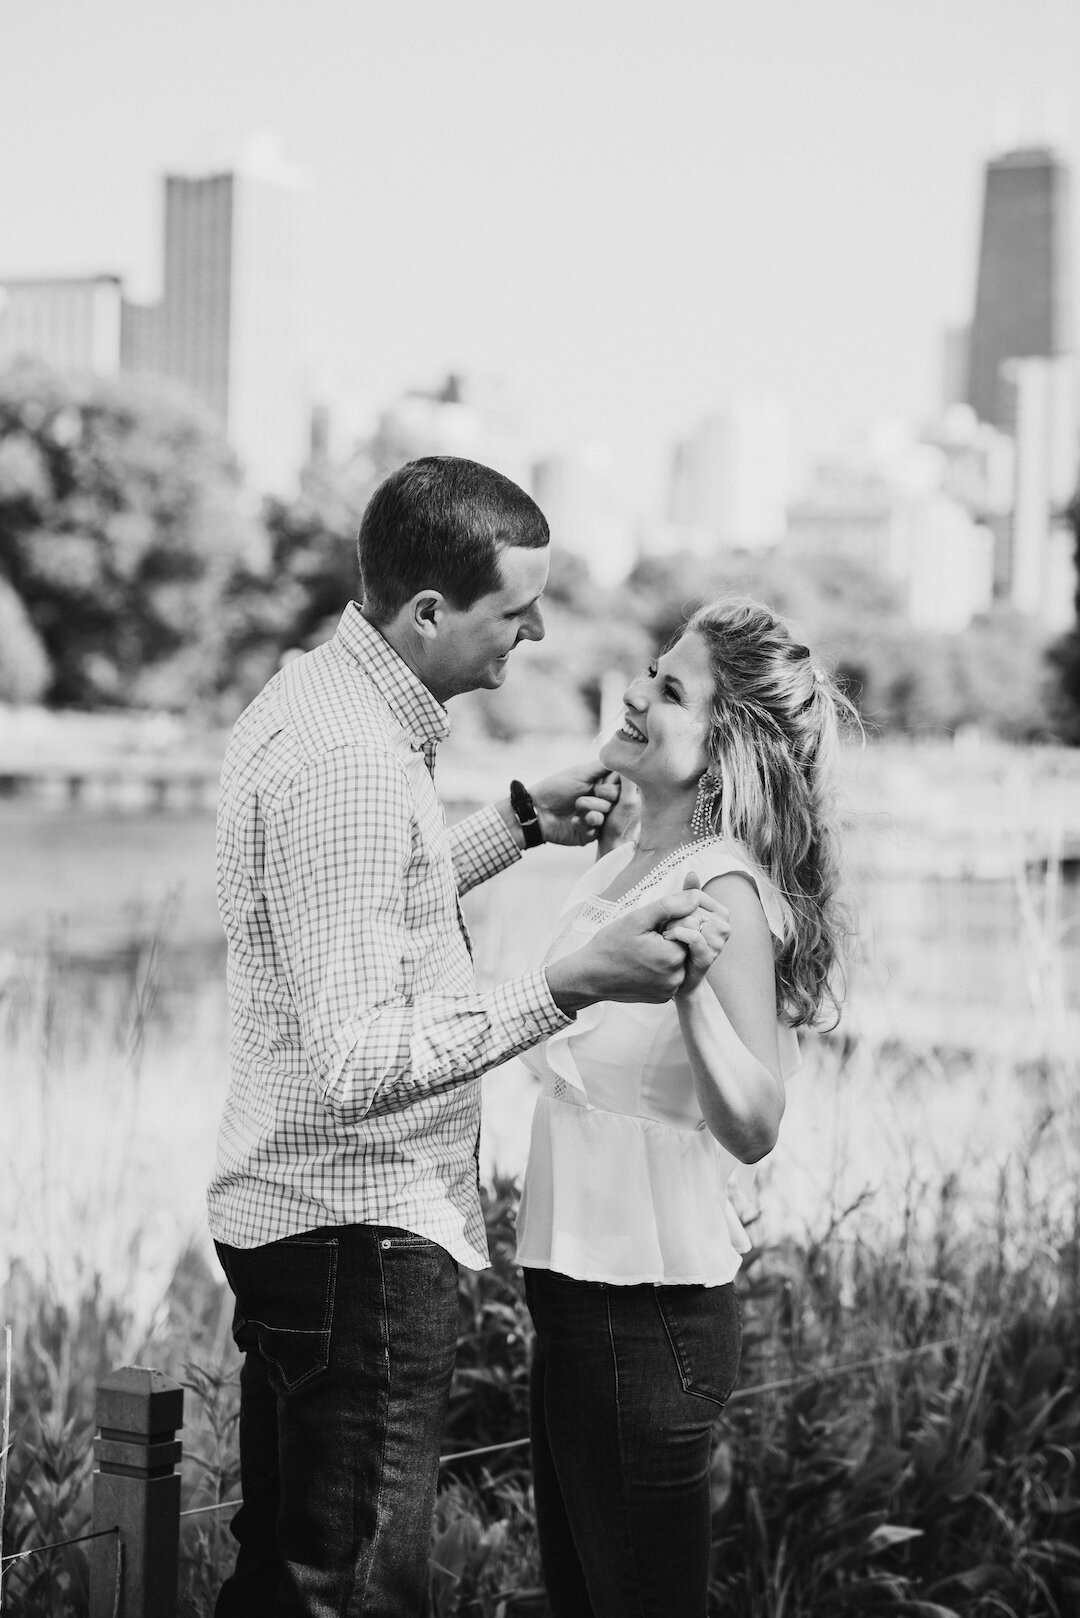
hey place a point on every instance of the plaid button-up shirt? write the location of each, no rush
(358, 1033)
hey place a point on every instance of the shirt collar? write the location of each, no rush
(416, 710)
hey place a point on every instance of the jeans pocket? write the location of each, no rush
(704, 1330)
(285, 1298)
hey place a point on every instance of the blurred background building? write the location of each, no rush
(469, 416)
(228, 325)
(73, 323)
(1021, 373)
(729, 478)
(227, 329)
(1023, 294)
(891, 510)
(575, 489)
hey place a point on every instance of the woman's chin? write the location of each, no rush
(618, 754)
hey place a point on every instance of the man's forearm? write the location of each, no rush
(386, 1058)
(484, 844)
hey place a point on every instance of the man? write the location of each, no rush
(346, 1188)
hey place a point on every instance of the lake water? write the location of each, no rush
(964, 880)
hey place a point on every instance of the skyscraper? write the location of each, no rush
(227, 325)
(1022, 297)
(194, 318)
(1043, 427)
(575, 489)
(1022, 376)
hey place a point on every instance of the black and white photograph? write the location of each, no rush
(526, 524)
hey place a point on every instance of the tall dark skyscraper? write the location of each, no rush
(1022, 302)
(228, 324)
(197, 311)
(1022, 375)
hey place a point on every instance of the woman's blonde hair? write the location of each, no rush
(775, 724)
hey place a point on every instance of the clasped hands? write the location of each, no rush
(703, 932)
(655, 951)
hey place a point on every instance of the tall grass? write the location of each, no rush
(905, 1437)
(111, 1085)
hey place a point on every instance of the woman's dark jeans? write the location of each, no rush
(348, 1335)
(627, 1383)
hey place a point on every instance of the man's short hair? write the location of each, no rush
(440, 523)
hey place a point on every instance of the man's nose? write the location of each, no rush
(533, 627)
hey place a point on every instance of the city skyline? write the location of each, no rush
(625, 215)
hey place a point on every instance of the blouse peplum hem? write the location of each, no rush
(633, 1199)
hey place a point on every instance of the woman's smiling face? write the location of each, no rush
(661, 741)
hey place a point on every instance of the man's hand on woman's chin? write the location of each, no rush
(621, 820)
(575, 804)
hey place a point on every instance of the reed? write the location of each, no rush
(905, 1436)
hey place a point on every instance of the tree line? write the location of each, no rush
(135, 571)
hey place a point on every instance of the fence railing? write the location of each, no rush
(138, 1414)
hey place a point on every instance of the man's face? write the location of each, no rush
(475, 642)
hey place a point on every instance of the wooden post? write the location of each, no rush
(137, 1490)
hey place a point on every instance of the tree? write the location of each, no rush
(1064, 655)
(120, 523)
(25, 671)
(289, 597)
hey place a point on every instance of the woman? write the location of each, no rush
(625, 1232)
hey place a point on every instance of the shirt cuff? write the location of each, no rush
(501, 839)
(526, 1002)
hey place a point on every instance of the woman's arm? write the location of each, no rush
(728, 1023)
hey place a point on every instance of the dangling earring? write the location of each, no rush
(708, 795)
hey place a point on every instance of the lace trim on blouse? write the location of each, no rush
(597, 910)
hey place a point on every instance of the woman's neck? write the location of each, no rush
(663, 826)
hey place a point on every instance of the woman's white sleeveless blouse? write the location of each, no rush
(624, 1182)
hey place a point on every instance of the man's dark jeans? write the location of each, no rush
(627, 1383)
(348, 1335)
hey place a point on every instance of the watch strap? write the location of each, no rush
(527, 818)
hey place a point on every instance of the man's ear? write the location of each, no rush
(426, 611)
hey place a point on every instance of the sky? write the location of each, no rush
(624, 212)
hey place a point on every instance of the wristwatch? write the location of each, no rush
(525, 810)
